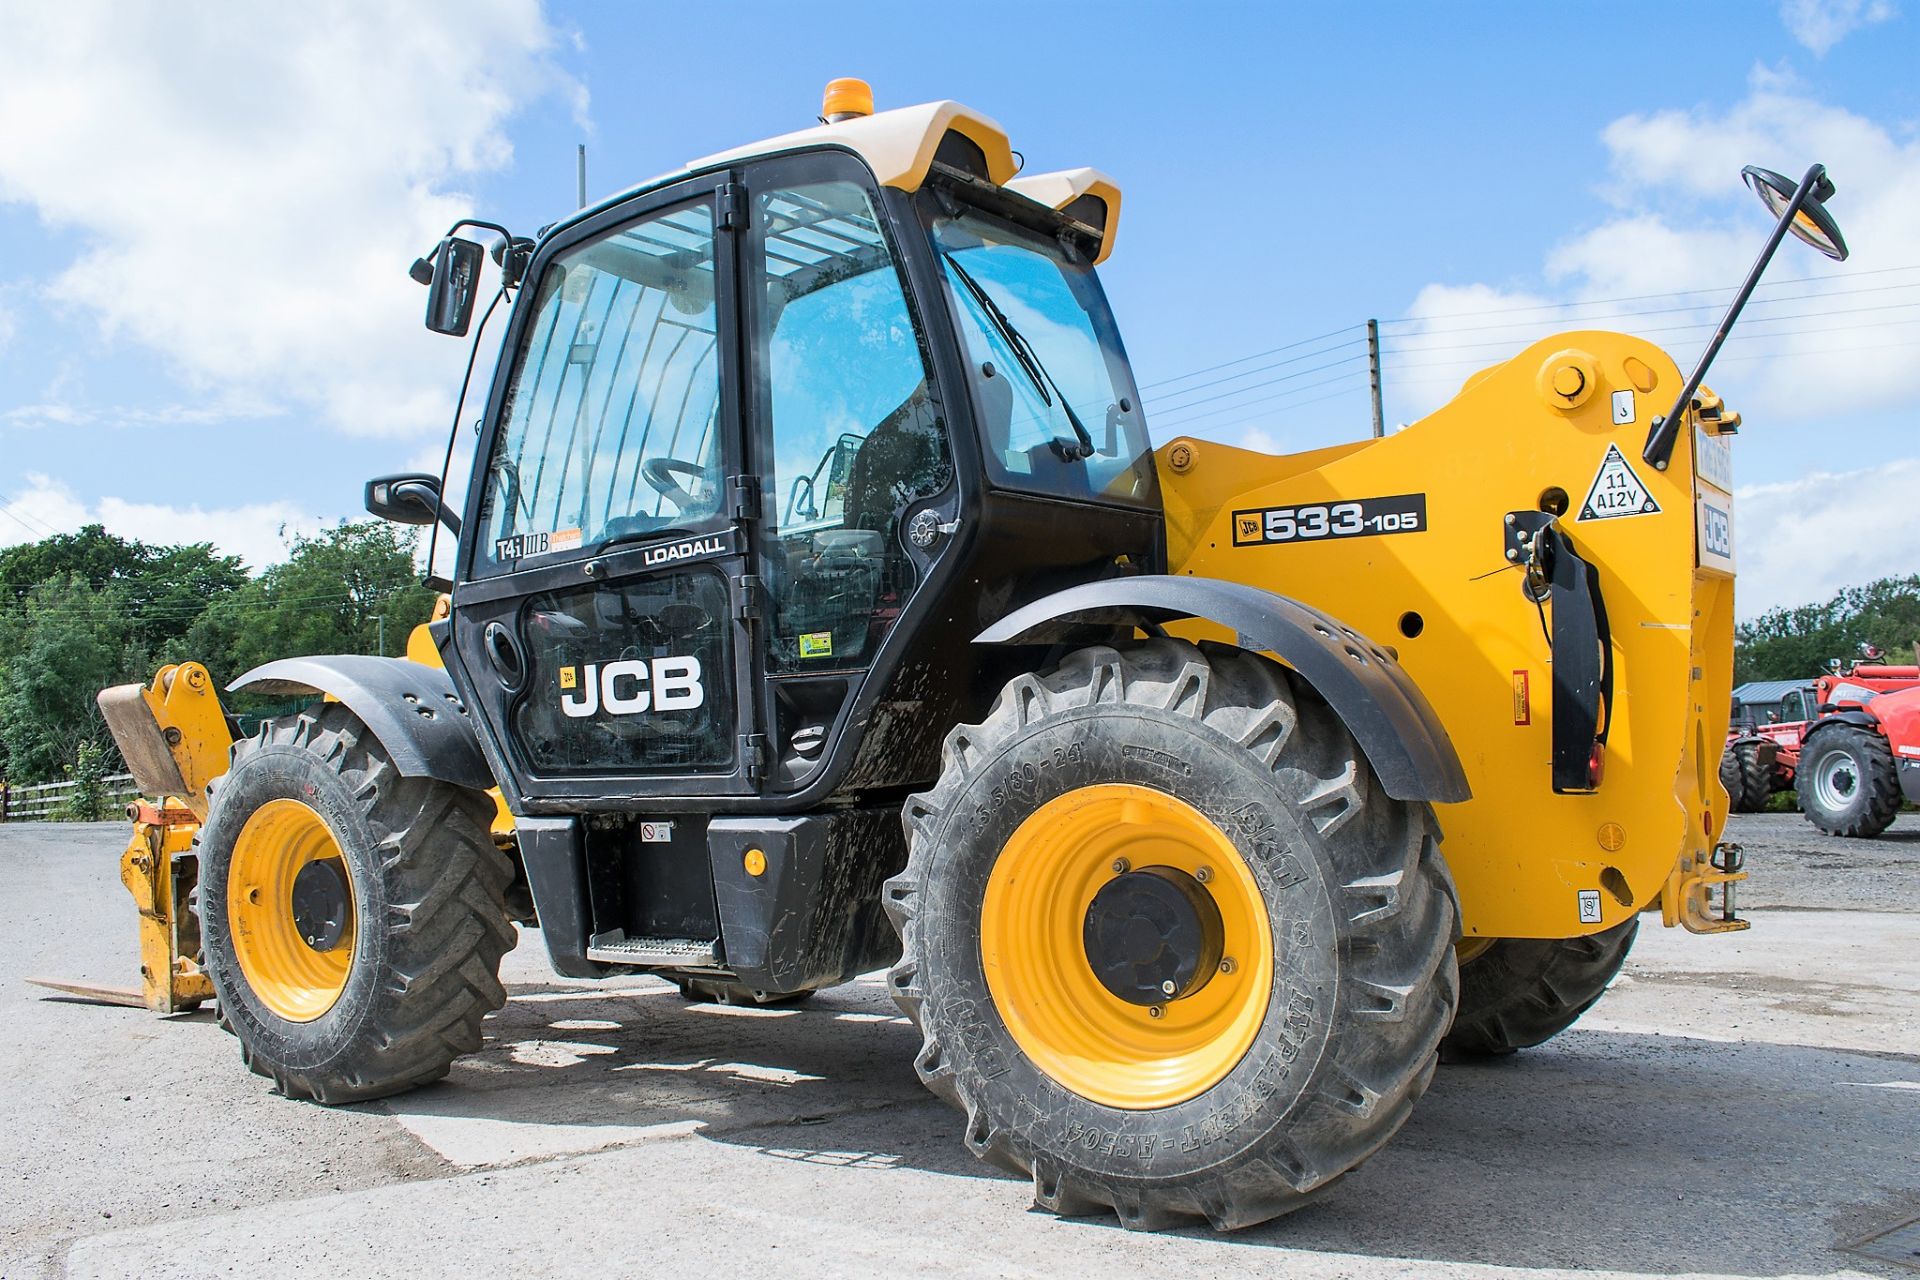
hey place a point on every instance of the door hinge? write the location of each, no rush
(754, 752)
(749, 597)
(732, 214)
(743, 497)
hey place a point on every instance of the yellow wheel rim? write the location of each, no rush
(290, 977)
(1032, 946)
(1467, 948)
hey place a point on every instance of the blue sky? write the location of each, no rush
(206, 330)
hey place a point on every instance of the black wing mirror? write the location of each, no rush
(452, 286)
(1797, 207)
(410, 498)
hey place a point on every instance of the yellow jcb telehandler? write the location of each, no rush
(820, 605)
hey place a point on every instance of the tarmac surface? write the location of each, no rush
(1742, 1105)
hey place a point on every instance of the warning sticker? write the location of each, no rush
(656, 833)
(1522, 698)
(519, 545)
(816, 644)
(1589, 906)
(1617, 491)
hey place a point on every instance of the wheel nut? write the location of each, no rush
(1227, 965)
(1169, 987)
(1156, 1011)
(1121, 866)
(1203, 875)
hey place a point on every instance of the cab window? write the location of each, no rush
(609, 430)
(850, 430)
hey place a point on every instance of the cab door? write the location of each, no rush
(603, 596)
(849, 433)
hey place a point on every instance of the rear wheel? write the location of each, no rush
(1519, 992)
(1169, 945)
(353, 919)
(1748, 779)
(1847, 781)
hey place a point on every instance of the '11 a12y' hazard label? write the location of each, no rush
(1362, 518)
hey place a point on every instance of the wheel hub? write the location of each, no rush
(1837, 782)
(1153, 935)
(321, 904)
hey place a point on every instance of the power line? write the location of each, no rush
(1181, 377)
(1654, 311)
(1649, 297)
(1285, 410)
(1512, 343)
(1278, 395)
(1262, 368)
(1255, 386)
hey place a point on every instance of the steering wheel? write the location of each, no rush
(659, 473)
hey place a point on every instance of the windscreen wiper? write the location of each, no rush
(1029, 362)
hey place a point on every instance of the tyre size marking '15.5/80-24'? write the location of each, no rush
(1310, 522)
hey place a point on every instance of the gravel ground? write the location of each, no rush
(1739, 1105)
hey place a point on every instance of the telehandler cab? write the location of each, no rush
(821, 605)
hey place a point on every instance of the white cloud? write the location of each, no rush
(1801, 541)
(8, 325)
(1686, 223)
(250, 184)
(1821, 24)
(257, 532)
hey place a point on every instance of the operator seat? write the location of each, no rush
(903, 458)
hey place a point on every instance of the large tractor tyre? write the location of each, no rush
(1519, 992)
(1169, 944)
(1748, 780)
(353, 919)
(1847, 781)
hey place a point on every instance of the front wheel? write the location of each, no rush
(353, 919)
(1169, 944)
(1847, 781)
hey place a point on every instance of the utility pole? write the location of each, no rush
(1373, 377)
(583, 175)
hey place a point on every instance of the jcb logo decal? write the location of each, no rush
(632, 686)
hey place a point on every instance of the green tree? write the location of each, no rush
(1796, 643)
(88, 803)
(65, 643)
(336, 592)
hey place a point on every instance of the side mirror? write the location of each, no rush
(1809, 219)
(453, 286)
(410, 498)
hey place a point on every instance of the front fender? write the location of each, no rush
(412, 709)
(1387, 714)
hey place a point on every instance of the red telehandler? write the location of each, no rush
(1763, 758)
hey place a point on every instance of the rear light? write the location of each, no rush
(1596, 765)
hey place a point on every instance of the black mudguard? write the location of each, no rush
(411, 708)
(1387, 714)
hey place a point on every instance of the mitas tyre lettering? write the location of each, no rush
(420, 969)
(1358, 907)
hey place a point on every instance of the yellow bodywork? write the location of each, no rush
(175, 739)
(173, 735)
(1447, 600)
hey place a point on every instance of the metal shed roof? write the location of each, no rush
(1767, 690)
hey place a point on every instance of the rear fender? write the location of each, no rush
(1387, 714)
(412, 709)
